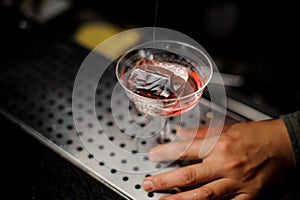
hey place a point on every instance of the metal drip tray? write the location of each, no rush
(38, 96)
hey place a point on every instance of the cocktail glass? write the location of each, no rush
(164, 79)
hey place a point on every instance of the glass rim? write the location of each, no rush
(120, 80)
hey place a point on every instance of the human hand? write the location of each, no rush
(247, 157)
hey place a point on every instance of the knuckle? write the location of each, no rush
(236, 163)
(207, 193)
(189, 176)
(224, 144)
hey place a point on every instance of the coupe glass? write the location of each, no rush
(164, 79)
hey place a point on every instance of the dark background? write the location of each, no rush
(257, 40)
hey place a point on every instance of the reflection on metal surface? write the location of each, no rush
(229, 80)
(245, 110)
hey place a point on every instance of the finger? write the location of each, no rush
(176, 150)
(189, 134)
(214, 190)
(181, 177)
(242, 196)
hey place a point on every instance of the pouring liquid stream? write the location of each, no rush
(154, 27)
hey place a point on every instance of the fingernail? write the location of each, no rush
(148, 185)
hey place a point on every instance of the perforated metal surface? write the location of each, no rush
(36, 92)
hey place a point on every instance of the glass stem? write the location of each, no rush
(139, 118)
(164, 131)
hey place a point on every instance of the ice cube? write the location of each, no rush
(158, 79)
